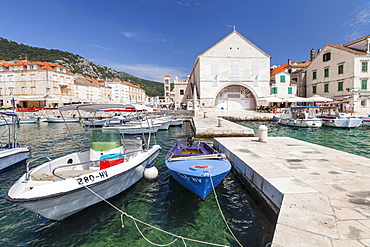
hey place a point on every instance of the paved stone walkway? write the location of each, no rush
(323, 195)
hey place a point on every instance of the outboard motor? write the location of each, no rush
(190, 141)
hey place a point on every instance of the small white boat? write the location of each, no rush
(60, 119)
(164, 124)
(68, 184)
(28, 120)
(176, 121)
(136, 129)
(331, 117)
(12, 154)
(300, 116)
(95, 122)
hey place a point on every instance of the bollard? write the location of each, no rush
(262, 133)
(205, 115)
(219, 120)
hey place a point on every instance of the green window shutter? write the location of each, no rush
(282, 78)
(340, 69)
(326, 72)
(314, 75)
(364, 66)
(314, 89)
(274, 90)
(326, 88)
(364, 84)
(340, 86)
(290, 90)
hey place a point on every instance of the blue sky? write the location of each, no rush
(153, 38)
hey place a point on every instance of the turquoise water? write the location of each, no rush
(355, 141)
(161, 202)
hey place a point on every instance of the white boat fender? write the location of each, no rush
(151, 172)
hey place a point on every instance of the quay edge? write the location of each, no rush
(322, 194)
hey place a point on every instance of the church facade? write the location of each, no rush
(234, 74)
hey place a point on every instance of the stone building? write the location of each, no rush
(42, 84)
(341, 72)
(34, 84)
(231, 75)
(287, 80)
(126, 92)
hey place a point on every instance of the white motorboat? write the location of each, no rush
(68, 184)
(331, 117)
(28, 120)
(95, 122)
(366, 120)
(12, 154)
(60, 119)
(164, 124)
(176, 121)
(136, 129)
(300, 116)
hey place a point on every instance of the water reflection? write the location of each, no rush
(162, 202)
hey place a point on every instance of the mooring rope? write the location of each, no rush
(142, 222)
(219, 208)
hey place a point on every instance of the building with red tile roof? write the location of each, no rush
(341, 72)
(289, 80)
(34, 84)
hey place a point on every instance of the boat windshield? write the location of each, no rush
(105, 139)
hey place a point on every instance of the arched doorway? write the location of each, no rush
(235, 97)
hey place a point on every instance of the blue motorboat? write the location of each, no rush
(197, 166)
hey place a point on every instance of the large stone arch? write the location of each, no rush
(235, 97)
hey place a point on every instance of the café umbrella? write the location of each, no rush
(272, 99)
(318, 98)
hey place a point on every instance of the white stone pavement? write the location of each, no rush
(211, 124)
(323, 194)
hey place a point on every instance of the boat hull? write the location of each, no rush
(70, 196)
(346, 123)
(177, 122)
(366, 121)
(12, 157)
(61, 120)
(303, 123)
(201, 186)
(135, 130)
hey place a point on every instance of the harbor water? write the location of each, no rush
(355, 141)
(162, 203)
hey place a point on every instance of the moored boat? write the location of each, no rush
(198, 167)
(300, 116)
(331, 117)
(12, 153)
(136, 129)
(60, 119)
(95, 122)
(63, 186)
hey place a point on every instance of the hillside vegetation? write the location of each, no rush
(10, 50)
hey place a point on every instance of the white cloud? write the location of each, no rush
(149, 71)
(100, 47)
(148, 37)
(128, 34)
(359, 22)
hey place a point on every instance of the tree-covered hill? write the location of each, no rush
(10, 50)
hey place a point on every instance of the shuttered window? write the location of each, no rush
(364, 84)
